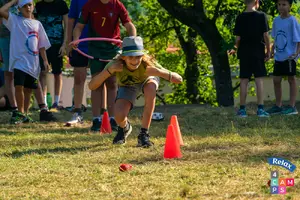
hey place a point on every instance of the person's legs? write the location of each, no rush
(9, 88)
(293, 90)
(111, 89)
(278, 90)
(123, 106)
(79, 64)
(243, 90)
(291, 109)
(57, 64)
(124, 101)
(43, 82)
(8, 76)
(27, 97)
(98, 96)
(149, 90)
(19, 90)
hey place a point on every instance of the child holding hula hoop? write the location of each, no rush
(135, 72)
(103, 18)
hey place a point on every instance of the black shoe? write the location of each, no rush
(96, 125)
(122, 134)
(47, 116)
(113, 124)
(144, 140)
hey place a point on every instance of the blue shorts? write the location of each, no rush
(4, 48)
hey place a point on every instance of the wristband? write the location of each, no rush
(108, 71)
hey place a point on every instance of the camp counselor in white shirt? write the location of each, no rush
(27, 37)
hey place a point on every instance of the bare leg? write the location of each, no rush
(243, 90)
(259, 90)
(150, 98)
(111, 85)
(57, 84)
(79, 80)
(19, 90)
(278, 90)
(27, 97)
(293, 90)
(9, 88)
(43, 81)
(123, 106)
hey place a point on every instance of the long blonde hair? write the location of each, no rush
(147, 60)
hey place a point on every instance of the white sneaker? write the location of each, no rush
(76, 118)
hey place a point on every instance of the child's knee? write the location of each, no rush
(291, 79)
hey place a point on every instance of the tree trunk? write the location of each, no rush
(195, 18)
(191, 72)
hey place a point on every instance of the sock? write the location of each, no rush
(112, 118)
(45, 100)
(260, 106)
(126, 128)
(43, 107)
(103, 110)
(242, 107)
(56, 99)
(99, 118)
(144, 130)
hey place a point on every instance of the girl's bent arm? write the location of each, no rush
(173, 77)
(99, 79)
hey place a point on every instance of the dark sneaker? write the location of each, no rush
(275, 110)
(113, 124)
(46, 116)
(122, 134)
(262, 113)
(144, 140)
(96, 125)
(242, 113)
(289, 110)
(54, 106)
(17, 117)
(27, 119)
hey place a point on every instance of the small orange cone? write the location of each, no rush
(175, 124)
(105, 125)
(172, 147)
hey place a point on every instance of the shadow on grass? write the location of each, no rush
(42, 151)
(65, 130)
(7, 132)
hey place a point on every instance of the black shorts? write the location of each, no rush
(78, 60)
(54, 60)
(255, 66)
(24, 79)
(285, 68)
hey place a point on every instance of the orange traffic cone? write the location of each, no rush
(105, 125)
(175, 124)
(172, 147)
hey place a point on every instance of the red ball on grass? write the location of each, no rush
(125, 167)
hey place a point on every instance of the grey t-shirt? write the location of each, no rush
(286, 33)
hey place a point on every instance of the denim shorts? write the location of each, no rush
(130, 92)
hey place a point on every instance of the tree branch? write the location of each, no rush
(159, 33)
(216, 14)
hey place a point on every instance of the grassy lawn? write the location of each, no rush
(224, 157)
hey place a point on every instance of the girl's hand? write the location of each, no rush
(175, 78)
(117, 66)
(47, 66)
(62, 50)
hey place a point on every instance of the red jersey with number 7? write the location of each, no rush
(103, 19)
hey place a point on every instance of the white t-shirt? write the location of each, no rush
(286, 33)
(27, 37)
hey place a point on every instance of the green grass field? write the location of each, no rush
(224, 157)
